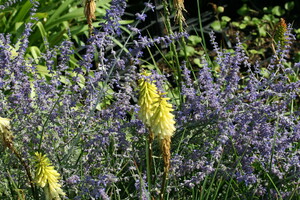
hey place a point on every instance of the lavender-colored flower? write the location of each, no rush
(150, 5)
(73, 179)
(141, 17)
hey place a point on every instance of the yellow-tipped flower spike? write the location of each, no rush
(147, 94)
(6, 135)
(162, 121)
(47, 177)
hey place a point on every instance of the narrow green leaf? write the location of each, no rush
(41, 29)
(35, 52)
(75, 14)
(59, 10)
(23, 12)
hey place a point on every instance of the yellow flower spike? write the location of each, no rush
(6, 135)
(162, 121)
(47, 177)
(163, 126)
(147, 94)
(155, 112)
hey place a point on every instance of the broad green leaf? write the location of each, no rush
(197, 61)
(216, 25)
(247, 18)
(103, 2)
(235, 24)
(277, 10)
(262, 30)
(58, 37)
(18, 25)
(264, 72)
(242, 26)
(244, 10)
(194, 39)
(256, 21)
(225, 18)
(220, 9)
(75, 30)
(190, 51)
(289, 5)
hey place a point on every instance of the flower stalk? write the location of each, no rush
(163, 126)
(155, 112)
(147, 93)
(176, 65)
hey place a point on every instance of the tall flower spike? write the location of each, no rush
(148, 93)
(6, 135)
(47, 177)
(163, 126)
(280, 31)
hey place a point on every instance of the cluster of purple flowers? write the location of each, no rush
(243, 122)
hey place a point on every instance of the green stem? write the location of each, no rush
(200, 24)
(44, 125)
(202, 33)
(27, 171)
(182, 40)
(164, 183)
(149, 158)
(14, 188)
(173, 49)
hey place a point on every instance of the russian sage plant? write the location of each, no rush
(242, 124)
